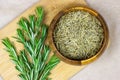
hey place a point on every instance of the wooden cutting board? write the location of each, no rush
(62, 71)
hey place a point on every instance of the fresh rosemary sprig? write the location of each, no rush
(32, 62)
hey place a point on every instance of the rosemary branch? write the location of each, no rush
(32, 62)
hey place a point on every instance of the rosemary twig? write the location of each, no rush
(32, 62)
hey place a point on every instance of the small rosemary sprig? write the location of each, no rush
(32, 62)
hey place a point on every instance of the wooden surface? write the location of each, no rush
(62, 71)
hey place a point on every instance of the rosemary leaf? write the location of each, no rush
(32, 62)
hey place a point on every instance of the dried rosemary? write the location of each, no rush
(78, 35)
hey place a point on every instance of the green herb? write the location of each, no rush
(32, 62)
(78, 35)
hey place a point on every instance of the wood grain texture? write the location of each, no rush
(62, 71)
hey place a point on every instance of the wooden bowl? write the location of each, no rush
(53, 25)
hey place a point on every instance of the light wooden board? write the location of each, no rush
(62, 71)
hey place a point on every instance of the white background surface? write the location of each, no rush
(107, 67)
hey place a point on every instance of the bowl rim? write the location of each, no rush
(78, 62)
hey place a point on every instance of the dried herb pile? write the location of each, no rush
(78, 35)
